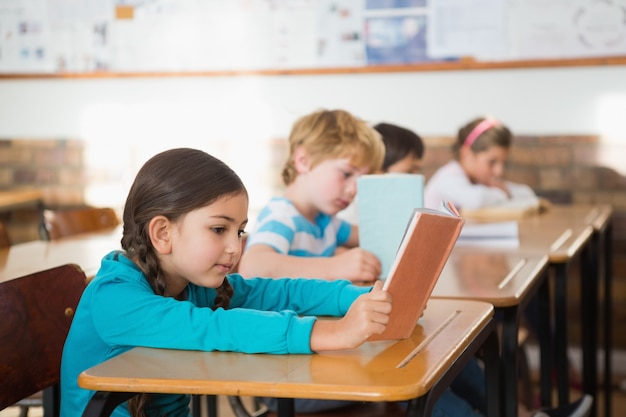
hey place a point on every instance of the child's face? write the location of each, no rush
(206, 243)
(410, 164)
(485, 167)
(331, 185)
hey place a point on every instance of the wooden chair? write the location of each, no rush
(5, 241)
(36, 312)
(60, 223)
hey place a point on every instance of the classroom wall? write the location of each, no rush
(85, 138)
(571, 100)
(125, 120)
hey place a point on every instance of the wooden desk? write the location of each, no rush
(14, 199)
(565, 234)
(568, 242)
(596, 267)
(602, 223)
(418, 368)
(508, 281)
(84, 250)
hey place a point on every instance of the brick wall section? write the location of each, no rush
(53, 166)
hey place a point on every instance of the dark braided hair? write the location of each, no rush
(171, 184)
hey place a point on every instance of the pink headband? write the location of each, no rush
(478, 130)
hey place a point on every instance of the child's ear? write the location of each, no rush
(465, 152)
(160, 232)
(301, 160)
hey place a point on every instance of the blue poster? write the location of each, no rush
(393, 4)
(396, 39)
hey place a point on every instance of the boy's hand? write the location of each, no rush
(357, 265)
(368, 315)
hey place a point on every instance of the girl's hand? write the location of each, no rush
(357, 265)
(499, 183)
(368, 315)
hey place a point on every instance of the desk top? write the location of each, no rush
(574, 224)
(561, 233)
(86, 250)
(561, 242)
(376, 371)
(503, 279)
(11, 199)
(597, 215)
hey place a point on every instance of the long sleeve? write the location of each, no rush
(450, 183)
(119, 311)
(266, 315)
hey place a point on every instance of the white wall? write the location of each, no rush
(548, 100)
(233, 117)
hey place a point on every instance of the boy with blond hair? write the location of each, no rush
(297, 234)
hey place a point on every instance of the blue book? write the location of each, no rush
(385, 205)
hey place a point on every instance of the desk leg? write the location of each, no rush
(103, 403)
(510, 326)
(546, 341)
(196, 405)
(608, 319)
(589, 319)
(560, 314)
(211, 405)
(488, 341)
(286, 407)
(491, 350)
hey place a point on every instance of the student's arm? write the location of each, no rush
(450, 183)
(521, 191)
(353, 239)
(501, 185)
(356, 265)
(470, 196)
(367, 316)
(123, 313)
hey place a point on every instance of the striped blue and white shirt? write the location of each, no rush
(281, 226)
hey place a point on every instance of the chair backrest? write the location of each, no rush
(61, 223)
(35, 316)
(5, 242)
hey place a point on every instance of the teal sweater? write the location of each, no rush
(119, 311)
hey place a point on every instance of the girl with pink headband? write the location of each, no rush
(475, 177)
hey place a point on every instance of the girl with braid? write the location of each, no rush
(170, 286)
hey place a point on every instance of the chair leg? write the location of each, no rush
(23, 411)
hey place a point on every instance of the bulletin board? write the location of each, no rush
(92, 38)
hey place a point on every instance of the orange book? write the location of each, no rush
(423, 252)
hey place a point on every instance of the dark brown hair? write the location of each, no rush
(171, 184)
(399, 142)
